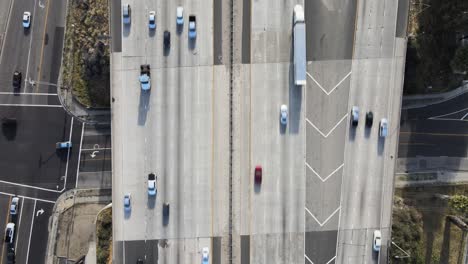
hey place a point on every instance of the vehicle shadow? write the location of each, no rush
(151, 201)
(352, 131)
(191, 43)
(295, 98)
(380, 145)
(151, 32)
(9, 131)
(257, 187)
(143, 107)
(126, 30)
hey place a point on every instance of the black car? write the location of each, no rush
(139, 261)
(369, 119)
(167, 39)
(17, 79)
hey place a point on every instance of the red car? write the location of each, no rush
(258, 174)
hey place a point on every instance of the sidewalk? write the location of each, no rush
(72, 225)
(417, 101)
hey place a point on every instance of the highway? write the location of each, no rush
(435, 130)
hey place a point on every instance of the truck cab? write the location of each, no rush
(145, 79)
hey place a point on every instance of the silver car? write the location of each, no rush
(284, 114)
(126, 14)
(383, 128)
(14, 205)
(355, 115)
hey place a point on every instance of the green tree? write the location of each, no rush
(460, 59)
(460, 204)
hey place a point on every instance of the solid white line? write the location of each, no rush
(30, 231)
(26, 197)
(30, 186)
(30, 46)
(464, 109)
(326, 135)
(79, 155)
(333, 89)
(12, 93)
(96, 149)
(323, 180)
(464, 116)
(446, 119)
(68, 157)
(326, 220)
(19, 221)
(32, 105)
(331, 260)
(308, 258)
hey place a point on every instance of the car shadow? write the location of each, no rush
(191, 43)
(151, 201)
(179, 29)
(367, 131)
(126, 30)
(9, 131)
(380, 145)
(257, 187)
(352, 131)
(151, 32)
(127, 214)
(166, 51)
(143, 107)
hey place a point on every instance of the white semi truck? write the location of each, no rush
(299, 46)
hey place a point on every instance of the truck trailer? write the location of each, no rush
(300, 65)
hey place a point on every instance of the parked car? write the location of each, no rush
(63, 145)
(377, 241)
(284, 114)
(17, 76)
(180, 16)
(152, 184)
(167, 39)
(27, 19)
(9, 233)
(127, 202)
(205, 255)
(258, 174)
(14, 205)
(369, 119)
(192, 27)
(354, 115)
(152, 20)
(126, 14)
(383, 128)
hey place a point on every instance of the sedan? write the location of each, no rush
(152, 20)
(180, 16)
(383, 128)
(377, 242)
(26, 19)
(152, 184)
(205, 255)
(284, 114)
(369, 119)
(258, 174)
(14, 205)
(355, 115)
(17, 79)
(63, 145)
(127, 202)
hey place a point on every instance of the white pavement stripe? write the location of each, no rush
(12, 93)
(326, 135)
(456, 112)
(323, 180)
(30, 186)
(331, 260)
(27, 197)
(94, 149)
(79, 155)
(68, 157)
(326, 220)
(446, 119)
(308, 259)
(464, 116)
(30, 231)
(333, 89)
(32, 105)
(30, 45)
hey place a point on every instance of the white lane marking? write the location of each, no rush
(326, 135)
(447, 119)
(13, 93)
(30, 45)
(326, 220)
(32, 105)
(333, 89)
(26, 197)
(19, 221)
(326, 178)
(30, 232)
(94, 149)
(68, 157)
(30, 186)
(79, 156)
(331, 260)
(308, 259)
(464, 116)
(456, 112)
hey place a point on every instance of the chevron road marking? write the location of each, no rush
(323, 180)
(333, 89)
(326, 135)
(326, 220)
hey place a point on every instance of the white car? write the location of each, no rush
(127, 202)
(205, 255)
(14, 205)
(26, 19)
(355, 115)
(180, 16)
(383, 128)
(152, 184)
(284, 114)
(10, 233)
(126, 14)
(377, 242)
(152, 20)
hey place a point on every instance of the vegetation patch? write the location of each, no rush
(436, 60)
(86, 57)
(423, 224)
(104, 237)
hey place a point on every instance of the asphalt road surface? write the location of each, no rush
(436, 130)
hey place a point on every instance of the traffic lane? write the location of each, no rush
(96, 160)
(17, 43)
(96, 142)
(24, 229)
(414, 144)
(456, 104)
(30, 156)
(37, 244)
(4, 219)
(46, 54)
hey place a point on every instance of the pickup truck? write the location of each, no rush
(145, 80)
(192, 27)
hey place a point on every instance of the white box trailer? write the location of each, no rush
(300, 63)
